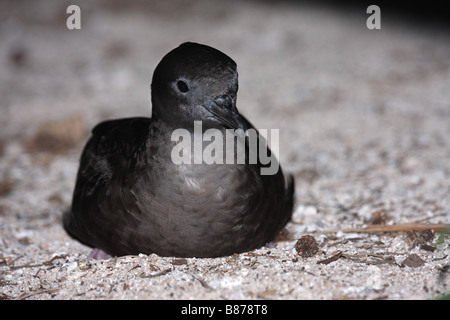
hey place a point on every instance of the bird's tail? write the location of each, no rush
(289, 196)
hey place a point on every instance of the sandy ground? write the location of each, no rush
(364, 119)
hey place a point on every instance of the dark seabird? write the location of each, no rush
(131, 198)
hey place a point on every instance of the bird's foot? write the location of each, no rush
(271, 245)
(99, 254)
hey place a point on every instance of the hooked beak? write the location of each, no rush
(223, 108)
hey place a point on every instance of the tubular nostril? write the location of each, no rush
(224, 101)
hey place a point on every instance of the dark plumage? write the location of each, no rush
(131, 198)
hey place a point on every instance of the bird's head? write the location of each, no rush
(195, 82)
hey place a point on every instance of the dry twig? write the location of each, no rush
(27, 295)
(436, 227)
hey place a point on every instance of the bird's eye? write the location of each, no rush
(182, 86)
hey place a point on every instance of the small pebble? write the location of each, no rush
(413, 261)
(306, 246)
(72, 266)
